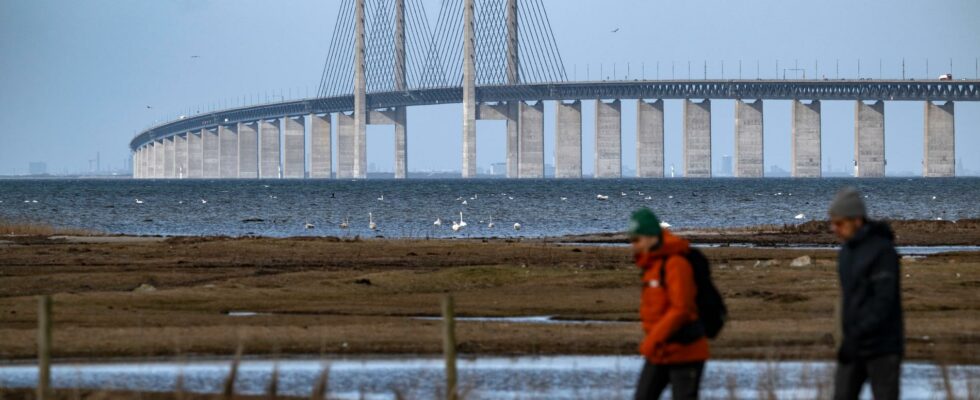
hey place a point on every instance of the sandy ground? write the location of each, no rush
(179, 296)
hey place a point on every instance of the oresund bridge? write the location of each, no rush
(500, 60)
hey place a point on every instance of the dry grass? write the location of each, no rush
(324, 296)
(11, 228)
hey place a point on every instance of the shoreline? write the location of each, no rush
(924, 233)
(165, 297)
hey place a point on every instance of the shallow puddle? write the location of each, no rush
(548, 377)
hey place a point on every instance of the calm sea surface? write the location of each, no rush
(409, 208)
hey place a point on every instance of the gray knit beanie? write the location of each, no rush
(848, 204)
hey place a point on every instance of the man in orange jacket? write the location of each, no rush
(674, 355)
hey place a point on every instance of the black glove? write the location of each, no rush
(848, 351)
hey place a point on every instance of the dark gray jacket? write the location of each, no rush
(871, 307)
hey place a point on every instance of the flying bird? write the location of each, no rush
(148, 107)
(195, 56)
(615, 30)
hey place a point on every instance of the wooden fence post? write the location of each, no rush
(44, 347)
(449, 345)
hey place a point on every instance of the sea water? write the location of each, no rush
(409, 208)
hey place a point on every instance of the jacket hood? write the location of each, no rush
(669, 245)
(874, 229)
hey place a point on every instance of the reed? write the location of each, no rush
(24, 228)
(321, 385)
(273, 390)
(228, 390)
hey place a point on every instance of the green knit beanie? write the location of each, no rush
(644, 222)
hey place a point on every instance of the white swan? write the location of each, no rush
(138, 201)
(204, 201)
(648, 198)
(382, 198)
(664, 225)
(601, 197)
(371, 223)
(461, 222)
(464, 202)
(438, 222)
(345, 224)
(456, 226)
(517, 226)
(490, 225)
(309, 226)
(800, 216)
(564, 199)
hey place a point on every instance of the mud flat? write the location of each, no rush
(197, 296)
(907, 233)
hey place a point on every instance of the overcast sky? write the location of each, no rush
(76, 76)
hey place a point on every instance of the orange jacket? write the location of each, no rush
(664, 310)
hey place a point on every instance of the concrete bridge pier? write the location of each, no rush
(568, 140)
(940, 141)
(396, 117)
(806, 151)
(212, 153)
(469, 91)
(135, 162)
(650, 139)
(138, 163)
(248, 150)
(228, 151)
(169, 156)
(608, 139)
(345, 146)
(151, 163)
(269, 150)
(320, 151)
(697, 139)
(159, 160)
(401, 142)
(180, 149)
(148, 161)
(513, 147)
(294, 148)
(195, 154)
(748, 140)
(531, 125)
(509, 112)
(869, 139)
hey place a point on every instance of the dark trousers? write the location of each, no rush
(684, 380)
(883, 371)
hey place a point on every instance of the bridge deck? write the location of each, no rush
(910, 90)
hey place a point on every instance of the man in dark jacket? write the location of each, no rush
(873, 339)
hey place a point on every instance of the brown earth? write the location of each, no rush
(907, 233)
(163, 297)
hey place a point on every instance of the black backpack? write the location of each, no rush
(712, 312)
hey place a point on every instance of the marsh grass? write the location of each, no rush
(25, 228)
